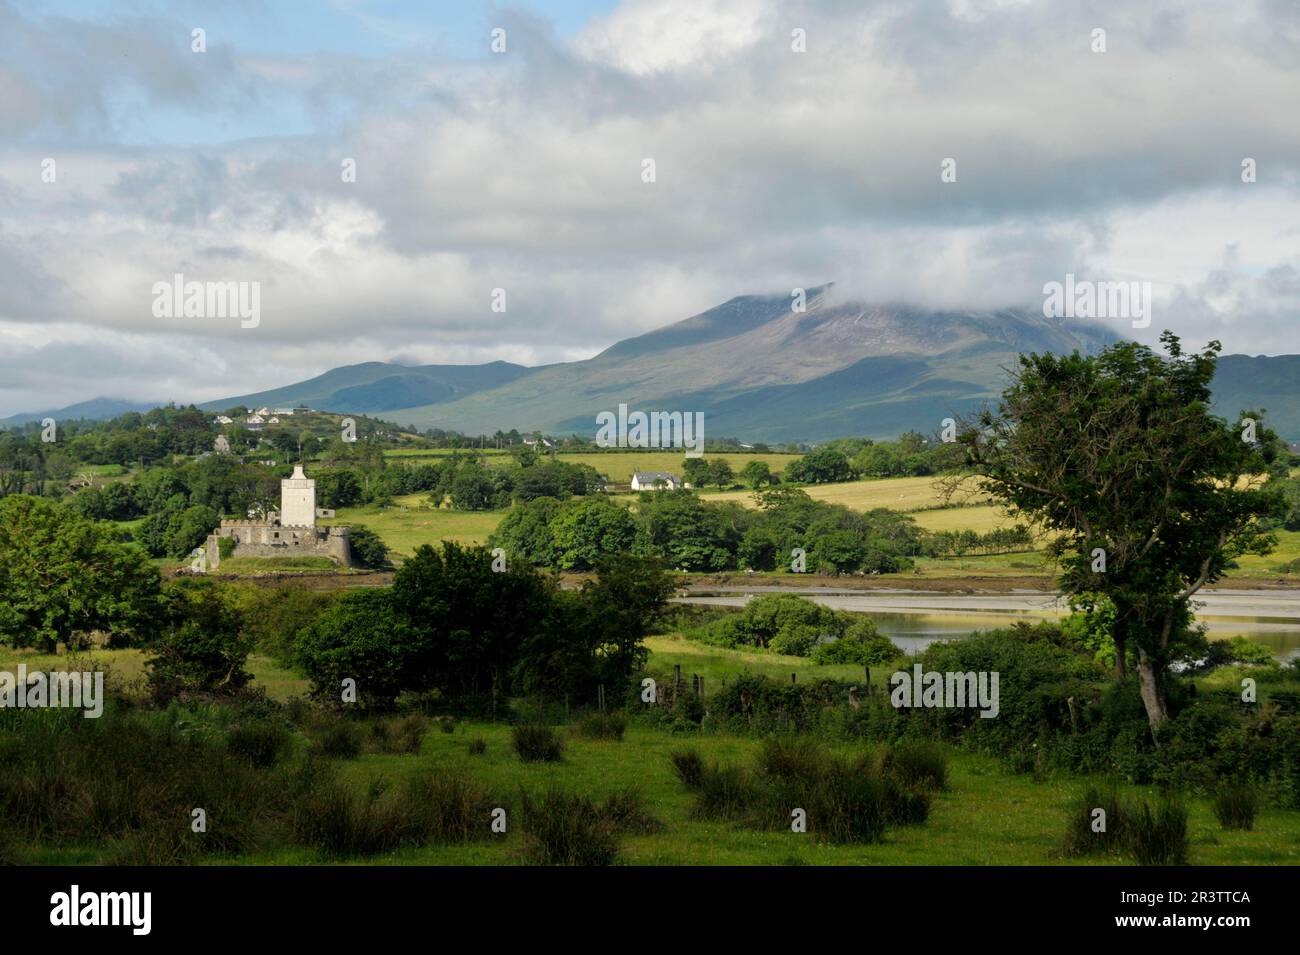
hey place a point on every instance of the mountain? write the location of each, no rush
(1271, 383)
(375, 386)
(760, 372)
(96, 409)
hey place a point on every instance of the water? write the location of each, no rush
(922, 618)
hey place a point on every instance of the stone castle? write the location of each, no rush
(290, 533)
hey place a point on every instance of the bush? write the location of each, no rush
(723, 792)
(920, 764)
(339, 738)
(402, 735)
(1080, 837)
(1235, 805)
(1159, 836)
(261, 742)
(627, 812)
(425, 810)
(448, 726)
(846, 803)
(538, 744)
(602, 726)
(689, 767)
(477, 746)
(790, 758)
(567, 829)
(368, 548)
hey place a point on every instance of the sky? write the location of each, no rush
(794, 142)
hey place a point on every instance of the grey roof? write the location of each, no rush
(651, 476)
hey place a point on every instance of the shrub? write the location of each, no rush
(567, 829)
(1080, 836)
(602, 726)
(627, 812)
(790, 757)
(477, 746)
(920, 764)
(448, 726)
(261, 742)
(339, 738)
(538, 744)
(689, 767)
(1235, 805)
(1158, 836)
(723, 792)
(402, 735)
(847, 803)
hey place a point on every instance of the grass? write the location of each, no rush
(984, 817)
(715, 663)
(897, 494)
(275, 565)
(125, 666)
(405, 530)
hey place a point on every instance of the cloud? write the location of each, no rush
(523, 171)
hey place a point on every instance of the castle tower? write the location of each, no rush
(298, 500)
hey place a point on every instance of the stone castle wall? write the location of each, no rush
(267, 539)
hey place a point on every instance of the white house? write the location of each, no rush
(284, 411)
(255, 419)
(222, 419)
(652, 480)
(274, 420)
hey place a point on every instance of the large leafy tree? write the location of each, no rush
(63, 576)
(1150, 494)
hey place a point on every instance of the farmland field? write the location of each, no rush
(619, 465)
(405, 530)
(897, 494)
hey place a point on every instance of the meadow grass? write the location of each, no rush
(986, 816)
(404, 531)
(275, 565)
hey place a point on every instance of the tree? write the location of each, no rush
(204, 648)
(1151, 495)
(821, 466)
(588, 529)
(368, 548)
(363, 637)
(720, 473)
(755, 474)
(695, 472)
(63, 576)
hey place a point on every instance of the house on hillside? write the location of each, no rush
(655, 480)
(255, 419)
(222, 419)
(284, 411)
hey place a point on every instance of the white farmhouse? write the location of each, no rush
(655, 480)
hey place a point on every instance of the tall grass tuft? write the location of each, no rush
(1158, 835)
(567, 829)
(917, 763)
(689, 767)
(1084, 834)
(602, 726)
(1235, 805)
(537, 744)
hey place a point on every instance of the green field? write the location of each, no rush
(405, 530)
(987, 816)
(619, 465)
